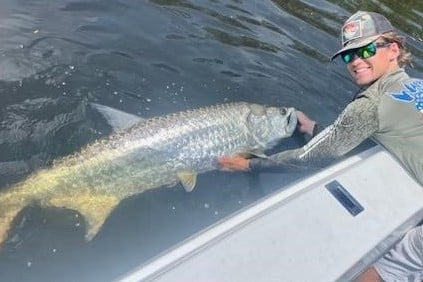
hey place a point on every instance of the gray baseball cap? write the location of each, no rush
(361, 29)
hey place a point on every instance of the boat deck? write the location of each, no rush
(328, 227)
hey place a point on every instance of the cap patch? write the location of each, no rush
(361, 27)
(352, 30)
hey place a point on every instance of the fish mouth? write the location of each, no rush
(292, 120)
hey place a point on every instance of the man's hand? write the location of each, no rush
(305, 124)
(234, 163)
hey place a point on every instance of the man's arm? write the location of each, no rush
(356, 123)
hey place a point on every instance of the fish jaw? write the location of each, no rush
(292, 121)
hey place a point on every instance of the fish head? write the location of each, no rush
(269, 125)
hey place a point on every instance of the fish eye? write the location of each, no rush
(283, 111)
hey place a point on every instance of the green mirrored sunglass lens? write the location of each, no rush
(363, 52)
(367, 51)
(347, 57)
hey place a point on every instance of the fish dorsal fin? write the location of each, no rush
(117, 119)
(94, 208)
(188, 179)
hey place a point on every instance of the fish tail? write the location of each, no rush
(10, 206)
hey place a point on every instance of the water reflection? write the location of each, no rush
(151, 58)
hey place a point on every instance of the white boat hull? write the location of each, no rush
(303, 233)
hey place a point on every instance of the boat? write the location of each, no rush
(327, 227)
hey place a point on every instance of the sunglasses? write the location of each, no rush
(364, 52)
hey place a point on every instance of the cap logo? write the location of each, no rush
(351, 30)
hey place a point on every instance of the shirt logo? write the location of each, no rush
(412, 91)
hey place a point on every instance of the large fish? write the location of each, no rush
(152, 153)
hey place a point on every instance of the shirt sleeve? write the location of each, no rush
(356, 123)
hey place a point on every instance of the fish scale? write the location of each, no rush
(154, 153)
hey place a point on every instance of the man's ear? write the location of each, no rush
(395, 51)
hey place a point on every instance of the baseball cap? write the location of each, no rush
(361, 29)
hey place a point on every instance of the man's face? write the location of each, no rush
(366, 71)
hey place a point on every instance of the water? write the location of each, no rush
(151, 58)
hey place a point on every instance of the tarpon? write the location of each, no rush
(156, 152)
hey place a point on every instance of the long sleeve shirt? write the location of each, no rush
(387, 111)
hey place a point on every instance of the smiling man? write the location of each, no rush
(388, 108)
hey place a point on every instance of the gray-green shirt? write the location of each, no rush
(386, 111)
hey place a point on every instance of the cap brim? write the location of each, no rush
(356, 44)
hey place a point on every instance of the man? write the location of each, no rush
(389, 110)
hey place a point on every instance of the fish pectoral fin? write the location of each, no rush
(258, 154)
(188, 179)
(248, 153)
(95, 209)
